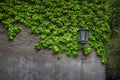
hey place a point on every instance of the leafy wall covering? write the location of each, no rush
(57, 22)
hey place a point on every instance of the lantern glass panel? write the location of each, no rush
(86, 35)
(83, 35)
(79, 35)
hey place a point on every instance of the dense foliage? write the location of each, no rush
(113, 54)
(115, 17)
(57, 22)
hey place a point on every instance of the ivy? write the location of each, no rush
(57, 22)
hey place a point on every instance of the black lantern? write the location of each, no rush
(83, 35)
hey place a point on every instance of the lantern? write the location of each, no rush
(83, 35)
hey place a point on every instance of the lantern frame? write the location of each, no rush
(83, 35)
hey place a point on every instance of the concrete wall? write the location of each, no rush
(20, 61)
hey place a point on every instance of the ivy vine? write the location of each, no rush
(57, 22)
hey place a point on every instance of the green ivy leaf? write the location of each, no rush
(59, 57)
(87, 50)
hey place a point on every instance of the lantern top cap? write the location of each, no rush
(83, 29)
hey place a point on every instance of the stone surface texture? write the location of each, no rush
(20, 61)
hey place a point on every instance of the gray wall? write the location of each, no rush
(20, 61)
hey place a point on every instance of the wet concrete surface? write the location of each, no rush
(20, 61)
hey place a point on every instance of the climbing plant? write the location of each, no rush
(114, 17)
(57, 22)
(113, 51)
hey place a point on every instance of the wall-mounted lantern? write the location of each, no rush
(83, 35)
